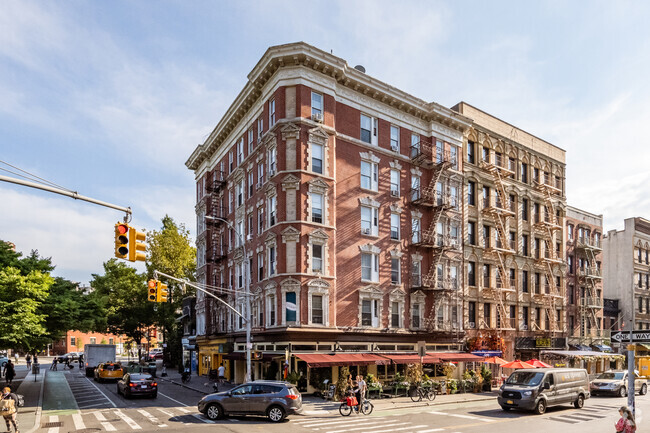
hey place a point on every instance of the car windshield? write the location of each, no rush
(529, 378)
(611, 376)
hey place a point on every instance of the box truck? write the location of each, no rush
(95, 354)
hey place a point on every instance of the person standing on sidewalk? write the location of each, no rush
(9, 406)
(9, 372)
(626, 424)
(16, 356)
(28, 361)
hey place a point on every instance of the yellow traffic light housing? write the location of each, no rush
(122, 241)
(135, 246)
(162, 292)
(152, 291)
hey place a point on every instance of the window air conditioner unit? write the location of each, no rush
(365, 231)
(394, 193)
(394, 147)
(472, 325)
(317, 117)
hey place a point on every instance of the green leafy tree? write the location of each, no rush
(170, 251)
(121, 292)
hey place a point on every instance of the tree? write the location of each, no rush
(170, 251)
(122, 293)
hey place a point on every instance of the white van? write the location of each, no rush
(539, 388)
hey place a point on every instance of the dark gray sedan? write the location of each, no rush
(275, 400)
(133, 384)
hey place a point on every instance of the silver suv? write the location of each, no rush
(615, 382)
(275, 400)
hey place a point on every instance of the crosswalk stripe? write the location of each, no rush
(579, 417)
(394, 424)
(99, 416)
(134, 425)
(108, 426)
(182, 409)
(568, 421)
(151, 418)
(399, 429)
(430, 430)
(53, 418)
(165, 412)
(325, 422)
(78, 421)
(200, 418)
(457, 415)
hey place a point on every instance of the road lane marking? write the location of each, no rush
(151, 418)
(182, 409)
(200, 418)
(169, 414)
(457, 415)
(172, 399)
(53, 418)
(365, 425)
(398, 429)
(134, 425)
(91, 405)
(430, 431)
(325, 422)
(78, 422)
(102, 393)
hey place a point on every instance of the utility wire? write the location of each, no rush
(33, 177)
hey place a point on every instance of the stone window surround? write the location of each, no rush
(372, 159)
(290, 285)
(397, 254)
(397, 295)
(270, 241)
(374, 250)
(417, 297)
(318, 136)
(374, 205)
(322, 288)
(372, 293)
(270, 291)
(318, 186)
(318, 237)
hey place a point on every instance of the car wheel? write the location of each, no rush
(580, 401)
(214, 412)
(506, 408)
(275, 414)
(622, 392)
(644, 389)
(540, 408)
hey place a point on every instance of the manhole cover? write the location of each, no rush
(53, 424)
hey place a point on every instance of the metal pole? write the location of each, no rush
(630, 359)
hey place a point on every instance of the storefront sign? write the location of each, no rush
(542, 342)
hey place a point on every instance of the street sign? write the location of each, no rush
(637, 336)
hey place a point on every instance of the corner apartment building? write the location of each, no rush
(626, 271)
(584, 279)
(514, 248)
(343, 196)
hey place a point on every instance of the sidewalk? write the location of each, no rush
(197, 383)
(29, 416)
(318, 406)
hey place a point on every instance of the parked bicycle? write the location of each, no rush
(417, 393)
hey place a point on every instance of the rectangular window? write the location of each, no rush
(369, 175)
(486, 236)
(271, 310)
(524, 209)
(513, 316)
(93, 340)
(471, 232)
(260, 266)
(486, 154)
(260, 175)
(524, 316)
(317, 259)
(487, 314)
(317, 309)
(260, 128)
(415, 319)
(471, 193)
(524, 281)
(366, 312)
(415, 145)
(536, 174)
(415, 230)
(415, 273)
(317, 158)
(486, 197)
(524, 172)
(272, 210)
(394, 138)
(250, 140)
(370, 267)
(524, 245)
(317, 208)
(486, 275)
(394, 226)
(369, 126)
(369, 221)
(394, 271)
(240, 193)
(453, 156)
(73, 342)
(471, 273)
(272, 161)
(271, 113)
(471, 313)
(240, 151)
(394, 182)
(251, 183)
(260, 220)
(271, 261)
(316, 106)
(290, 306)
(470, 152)
(394, 314)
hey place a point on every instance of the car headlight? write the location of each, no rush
(528, 393)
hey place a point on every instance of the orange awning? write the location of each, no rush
(457, 357)
(341, 359)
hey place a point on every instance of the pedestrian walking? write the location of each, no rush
(626, 424)
(9, 408)
(221, 373)
(53, 367)
(28, 361)
(9, 372)
(35, 359)
(16, 357)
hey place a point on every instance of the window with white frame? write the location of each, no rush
(272, 261)
(453, 196)
(231, 160)
(260, 266)
(317, 309)
(395, 271)
(416, 310)
(369, 221)
(270, 307)
(272, 210)
(316, 207)
(395, 314)
(317, 158)
(453, 155)
(273, 153)
(416, 272)
(260, 220)
(394, 226)
(318, 302)
(415, 145)
(394, 138)
(260, 128)
(394, 182)
(369, 176)
(440, 152)
(260, 175)
(239, 232)
(370, 312)
(369, 127)
(415, 230)
(250, 140)
(370, 267)
(415, 187)
(316, 105)
(230, 201)
(240, 193)
(271, 113)
(240, 151)
(251, 184)
(317, 258)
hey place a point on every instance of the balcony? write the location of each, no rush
(547, 186)
(217, 181)
(589, 302)
(422, 155)
(591, 272)
(428, 196)
(586, 243)
(500, 166)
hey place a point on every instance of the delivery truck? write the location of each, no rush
(95, 354)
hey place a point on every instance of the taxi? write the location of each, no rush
(109, 371)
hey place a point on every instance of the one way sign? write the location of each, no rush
(637, 336)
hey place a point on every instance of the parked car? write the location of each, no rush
(108, 370)
(272, 399)
(71, 356)
(3, 361)
(137, 384)
(615, 382)
(539, 388)
(156, 354)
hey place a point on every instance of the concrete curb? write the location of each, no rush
(39, 408)
(185, 386)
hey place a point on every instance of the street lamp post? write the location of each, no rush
(247, 290)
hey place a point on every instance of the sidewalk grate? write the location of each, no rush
(53, 424)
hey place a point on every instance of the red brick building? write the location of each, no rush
(347, 193)
(75, 341)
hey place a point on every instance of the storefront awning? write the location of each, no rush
(410, 358)
(341, 359)
(573, 353)
(487, 353)
(602, 347)
(457, 357)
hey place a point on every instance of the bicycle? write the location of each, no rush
(417, 393)
(365, 407)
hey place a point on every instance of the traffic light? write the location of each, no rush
(122, 240)
(135, 246)
(162, 292)
(152, 288)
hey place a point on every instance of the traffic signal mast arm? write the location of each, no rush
(156, 273)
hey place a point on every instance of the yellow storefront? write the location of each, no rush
(211, 355)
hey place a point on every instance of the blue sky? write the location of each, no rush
(110, 98)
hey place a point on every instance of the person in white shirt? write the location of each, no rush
(221, 372)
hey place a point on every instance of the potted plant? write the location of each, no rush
(486, 373)
(373, 384)
(452, 386)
